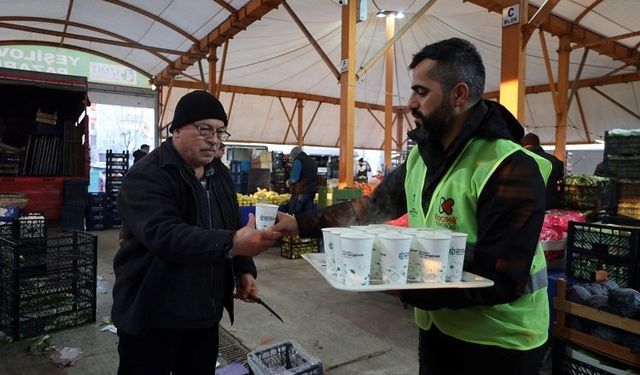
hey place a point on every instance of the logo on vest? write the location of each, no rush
(446, 205)
(445, 217)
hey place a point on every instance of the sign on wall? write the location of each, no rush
(70, 62)
(511, 15)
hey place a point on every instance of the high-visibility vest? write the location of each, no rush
(522, 324)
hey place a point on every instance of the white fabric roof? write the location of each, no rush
(273, 53)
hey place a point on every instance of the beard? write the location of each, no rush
(437, 124)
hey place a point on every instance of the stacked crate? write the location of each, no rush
(74, 201)
(278, 173)
(239, 170)
(117, 167)
(294, 246)
(97, 213)
(622, 162)
(10, 163)
(47, 284)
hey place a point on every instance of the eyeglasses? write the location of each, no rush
(206, 132)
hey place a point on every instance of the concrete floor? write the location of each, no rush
(351, 333)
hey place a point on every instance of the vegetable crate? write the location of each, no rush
(594, 247)
(47, 285)
(286, 357)
(294, 246)
(621, 145)
(594, 196)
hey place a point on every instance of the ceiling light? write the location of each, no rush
(385, 13)
(399, 15)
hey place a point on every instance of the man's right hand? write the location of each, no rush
(249, 241)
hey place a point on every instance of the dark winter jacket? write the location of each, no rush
(308, 181)
(509, 213)
(172, 269)
(555, 178)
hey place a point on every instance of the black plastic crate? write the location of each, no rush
(62, 296)
(74, 191)
(623, 166)
(283, 357)
(621, 145)
(72, 217)
(30, 226)
(6, 230)
(96, 199)
(572, 366)
(594, 247)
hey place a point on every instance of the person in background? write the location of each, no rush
(183, 248)
(468, 173)
(363, 170)
(532, 143)
(302, 182)
(140, 153)
(602, 170)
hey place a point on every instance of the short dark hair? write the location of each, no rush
(458, 61)
(144, 145)
(531, 139)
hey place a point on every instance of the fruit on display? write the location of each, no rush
(366, 188)
(294, 246)
(263, 196)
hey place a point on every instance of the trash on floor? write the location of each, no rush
(66, 356)
(235, 368)
(110, 327)
(39, 345)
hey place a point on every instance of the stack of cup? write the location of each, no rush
(338, 258)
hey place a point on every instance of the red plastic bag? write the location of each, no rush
(402, 221)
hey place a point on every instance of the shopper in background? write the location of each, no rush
(532, 143)
(183, 248)
(467, 173)
(363, 170)
(303, 181)
(140, 153)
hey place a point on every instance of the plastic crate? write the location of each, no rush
(72, 217)
(286, 357)
(74, 191)
(63, 296)
(630, 209)
(30, 226)
(238, 166)
(572, 366)
(628, 190)
(6, 230)
(346, 194)
(293, 246)
(623, 166)
(621, 145)
(594, 247)
(588, 197)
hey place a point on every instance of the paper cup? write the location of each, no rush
(329, 251)
(456, 256)
(361, 228)
(265, 215)
(335, 241)
(394, 256)
(376, 267)
(433, 256)
(356, 252)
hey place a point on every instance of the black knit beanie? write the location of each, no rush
(197, 105)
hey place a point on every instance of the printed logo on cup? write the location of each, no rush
(267, 218)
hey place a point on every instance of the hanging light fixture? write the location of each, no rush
(386, 13)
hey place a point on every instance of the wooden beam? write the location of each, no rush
(547, 66)
(222, 67)
(248, 14)
(300, 135)
(513, 64)
(585, 126)
(347, 93)
(289, 119)
(574, 84)
(605, 40)
(388, 90)
(212, 59)
(365, 67)
(540, 17)
(80, 26)
(164, 108)
(311, 40)
(617, 103)
(152, 16)
(226, 6)
(285, 94)
(315, 113)
(598, 81)
(66, 21)
(564, 50)
(557, 25)
(93, 39)
(587, 10)
(399, 132)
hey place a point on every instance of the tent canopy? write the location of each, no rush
(268, 50)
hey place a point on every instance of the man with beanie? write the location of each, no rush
(140, 153)
(303, 181)
(183, 248)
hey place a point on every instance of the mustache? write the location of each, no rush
(417, 114)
